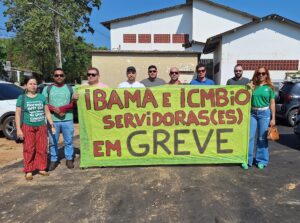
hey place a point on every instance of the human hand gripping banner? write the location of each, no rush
(163, 125)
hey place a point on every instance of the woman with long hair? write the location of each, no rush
(262, 115)
(33, 129)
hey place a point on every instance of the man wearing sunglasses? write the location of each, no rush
(238, 78)
(131, 82)
(201, 76)
(93, 76)
(60, 101)
(174, 76)
(152, 80)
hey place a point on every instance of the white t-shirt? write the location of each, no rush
(135, 84)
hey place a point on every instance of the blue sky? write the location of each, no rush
(112, 9)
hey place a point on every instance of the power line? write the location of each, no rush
(102, 34)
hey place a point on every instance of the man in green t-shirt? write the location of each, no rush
(60, 102)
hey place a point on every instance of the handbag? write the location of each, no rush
(273, 133)
(14, 131)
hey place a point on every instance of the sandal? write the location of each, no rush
(43, 173)
(28, 176)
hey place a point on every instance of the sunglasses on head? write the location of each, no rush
(59, 75)
(173, 72)
(201, 71)
(91, 74)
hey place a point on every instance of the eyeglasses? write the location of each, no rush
(174, 72)
(238, 71)
(152, 71)
(59, 75)
(201, 71)
(261, 73)
(91, 74)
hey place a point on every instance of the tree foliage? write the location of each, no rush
(33, 22)
(2, 59)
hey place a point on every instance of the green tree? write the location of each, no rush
(34, 26)
(3, 58)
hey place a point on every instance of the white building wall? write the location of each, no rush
(210, 20)
(269, 40)
(177, 21)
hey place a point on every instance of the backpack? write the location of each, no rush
(69, 87)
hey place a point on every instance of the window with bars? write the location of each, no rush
(162, 38)
(129, 38)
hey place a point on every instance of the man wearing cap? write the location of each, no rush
(238, 78)
(152, 80)
(131, 82)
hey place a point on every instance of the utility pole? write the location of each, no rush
(58, 61)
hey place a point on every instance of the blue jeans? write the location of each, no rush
(259, 121)
(67, 129)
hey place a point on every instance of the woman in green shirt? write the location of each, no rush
(33, 129)
(262, 115)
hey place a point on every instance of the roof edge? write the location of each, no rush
(188, 3)
(142, 52)
(218, 37)
(107, 23)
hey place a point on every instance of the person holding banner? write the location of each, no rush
(131, 82)
(201, 76)
(31, 127)
(174, 75)
(262, 115)
(93, 76)
(60, 99)
(238, 78)
(152, 80)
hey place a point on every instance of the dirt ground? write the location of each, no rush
(12, 152)
(178, 193)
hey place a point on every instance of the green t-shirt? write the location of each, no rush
(59, 96)
(262, 96)
(34, 109)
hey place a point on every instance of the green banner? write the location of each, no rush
(163, 125)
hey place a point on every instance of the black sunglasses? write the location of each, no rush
(59, 75)
(261, 73)
(91, 74)
(201, 71)
(173, 72)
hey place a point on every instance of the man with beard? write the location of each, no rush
(238, 79)
(152, 80)
(59, 96)
(131, 82)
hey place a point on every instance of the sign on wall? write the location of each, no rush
(163, 125)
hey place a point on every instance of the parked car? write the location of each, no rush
(8, 99)
(297, 124)
(288, 101)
